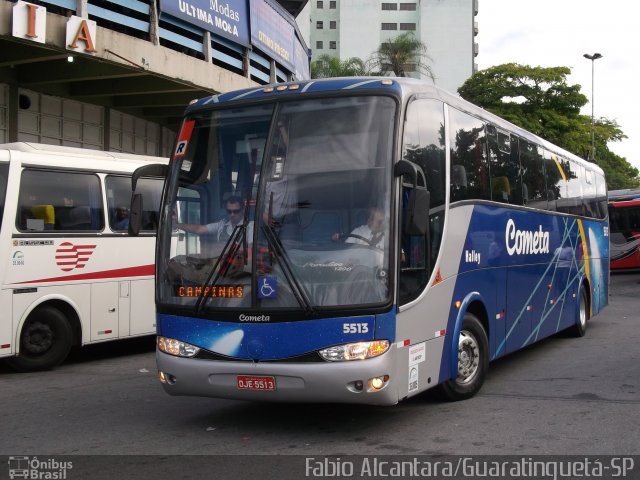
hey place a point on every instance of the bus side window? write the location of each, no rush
(424, 145)
(503, 151)
(468, 141)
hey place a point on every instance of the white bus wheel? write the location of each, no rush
(45, 340)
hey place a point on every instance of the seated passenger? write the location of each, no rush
(121, 220)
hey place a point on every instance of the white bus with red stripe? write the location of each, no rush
(72, 274)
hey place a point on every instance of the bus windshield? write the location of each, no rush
(280, 206)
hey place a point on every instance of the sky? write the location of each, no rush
(552, 33)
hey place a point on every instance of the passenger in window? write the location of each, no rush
(371, 233)
(222, 229)
(121, 220)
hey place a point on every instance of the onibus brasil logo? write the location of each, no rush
(33, 468)
(70, 256)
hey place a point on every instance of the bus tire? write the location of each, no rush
(473, 361)
(582, 315)
(45, 341)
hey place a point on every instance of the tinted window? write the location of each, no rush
(504, 166)
(423, 144)
(575, 177)
(555, 179)
(469, 164)
(61, 201)
(534, 190)
(601, 194)
(589, 194)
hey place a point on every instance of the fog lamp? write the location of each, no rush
(377, 383)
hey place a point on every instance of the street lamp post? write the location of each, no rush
(593, 59)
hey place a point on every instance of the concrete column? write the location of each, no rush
(154, 24)
(82, 8)
(272, 72)
(207, 49)
(246, 62)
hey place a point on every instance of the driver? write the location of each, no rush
(372, 233)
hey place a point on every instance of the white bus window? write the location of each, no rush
(119, 197)
(60, 201)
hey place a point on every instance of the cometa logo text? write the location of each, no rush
(526, 242)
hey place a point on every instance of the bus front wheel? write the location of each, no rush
(45, 340)
(473, 361)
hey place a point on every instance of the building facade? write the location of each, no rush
(117, 74)
(356, 28)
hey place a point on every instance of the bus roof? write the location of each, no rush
(624, 194)
(73, 157)
(399, 86)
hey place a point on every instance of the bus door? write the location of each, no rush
(135, 313)
(104, 310)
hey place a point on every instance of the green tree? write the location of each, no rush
(402, 54)
(540, 100)
(327, 66)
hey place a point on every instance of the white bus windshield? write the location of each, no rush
(281, 206)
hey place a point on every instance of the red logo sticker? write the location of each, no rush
(70, 256)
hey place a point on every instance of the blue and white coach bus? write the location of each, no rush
(361, 240)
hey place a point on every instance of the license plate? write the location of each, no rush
(252, 382)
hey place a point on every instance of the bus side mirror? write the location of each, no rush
(135, 214)
(135, 209)
(152, 170)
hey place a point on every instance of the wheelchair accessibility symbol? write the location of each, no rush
(267, 287)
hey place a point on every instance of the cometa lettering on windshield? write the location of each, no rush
(216, 291)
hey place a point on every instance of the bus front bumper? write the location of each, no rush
(322, 382)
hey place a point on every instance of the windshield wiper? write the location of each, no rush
(230, 247)
(297, 289)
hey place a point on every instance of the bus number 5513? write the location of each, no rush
(355, 328)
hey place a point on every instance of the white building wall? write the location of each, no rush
(60, 121)
(360, 32)
(448, 31)
(445, 26)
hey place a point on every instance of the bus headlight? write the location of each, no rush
(176, 347)
(355, 351)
